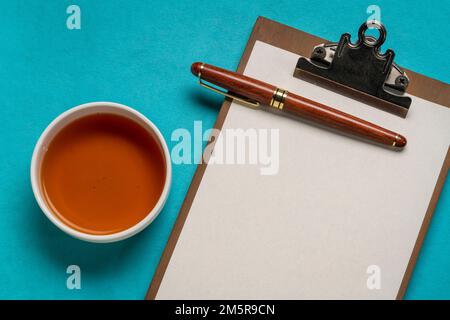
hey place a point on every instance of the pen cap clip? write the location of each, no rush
(244, 101)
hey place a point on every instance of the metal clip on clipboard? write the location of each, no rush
(359, 70)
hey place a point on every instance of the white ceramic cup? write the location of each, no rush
(60, 122)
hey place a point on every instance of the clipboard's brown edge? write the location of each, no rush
(300, 43)
(424, 227)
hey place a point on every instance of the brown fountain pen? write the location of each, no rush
(255, 92)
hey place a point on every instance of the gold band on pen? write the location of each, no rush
(278, 98)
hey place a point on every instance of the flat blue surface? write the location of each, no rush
(138, 53)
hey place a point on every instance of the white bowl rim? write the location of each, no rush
(141, 225)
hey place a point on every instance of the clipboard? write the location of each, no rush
(300, 43)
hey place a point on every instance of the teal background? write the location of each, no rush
(138, 53)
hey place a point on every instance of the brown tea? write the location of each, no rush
(103, 173)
